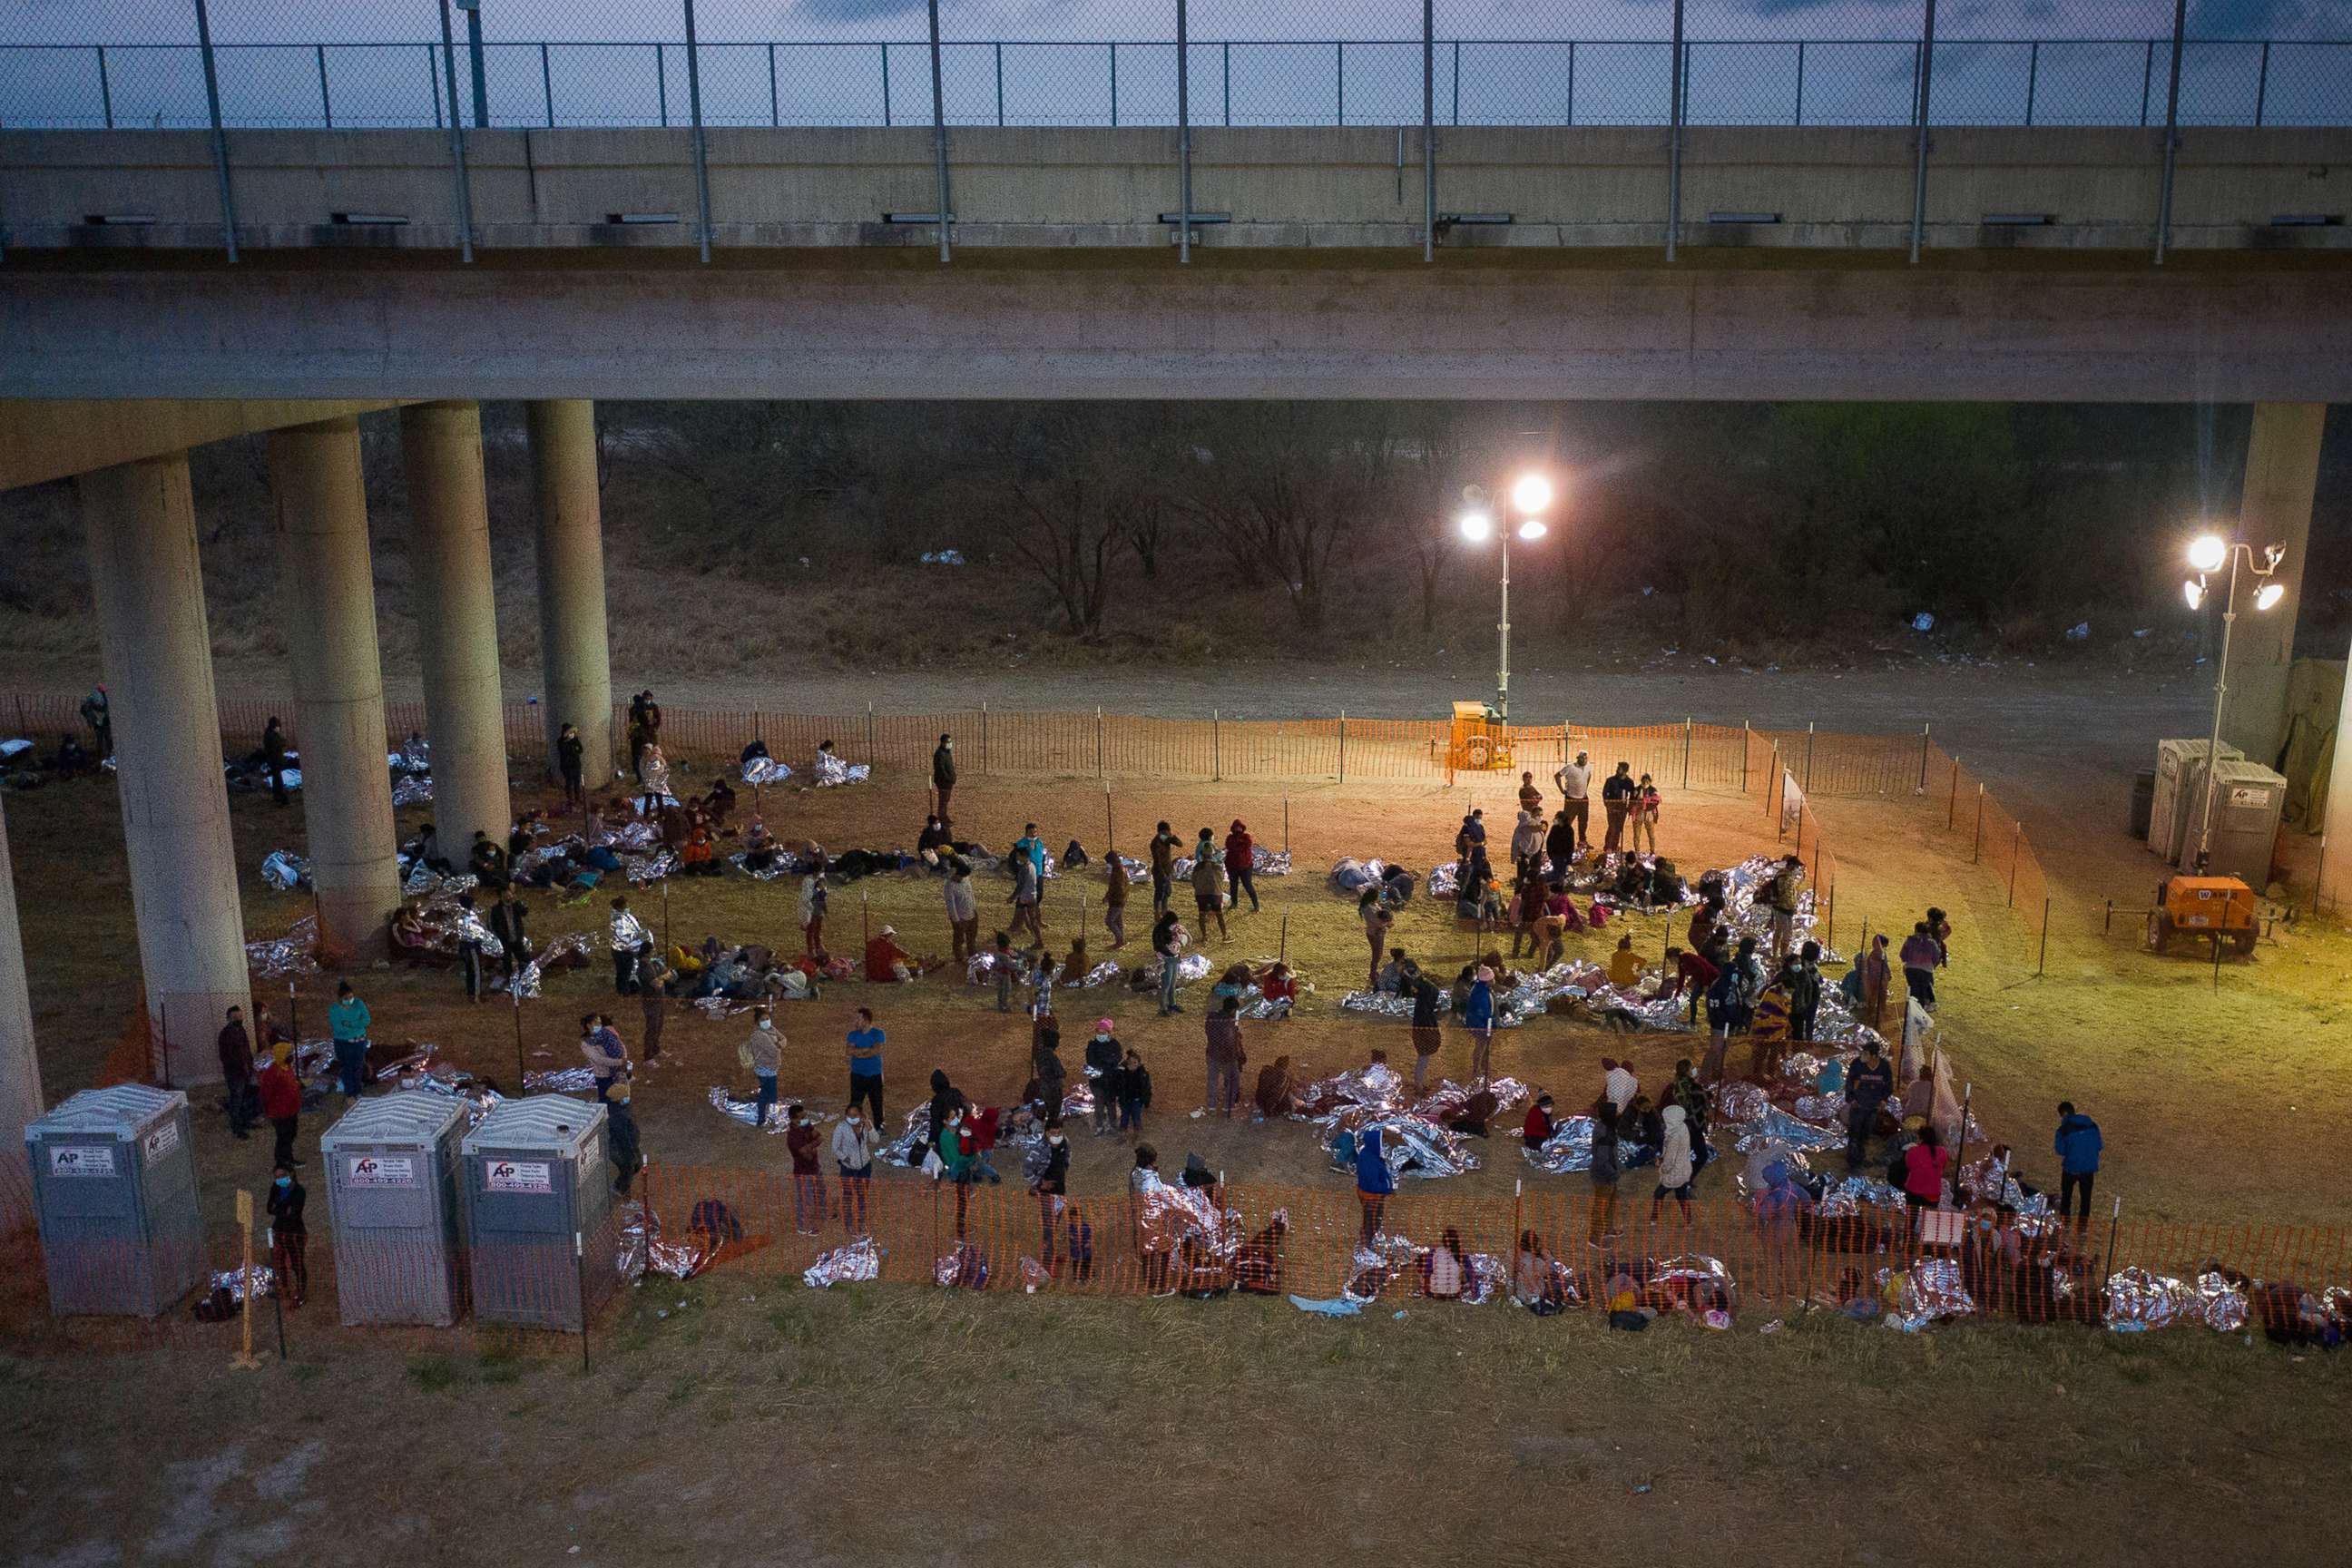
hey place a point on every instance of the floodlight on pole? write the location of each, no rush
(1533, 528)
(1531, 494)
(2206, 553)
(1476, 526)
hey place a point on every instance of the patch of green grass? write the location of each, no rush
(436, 1373)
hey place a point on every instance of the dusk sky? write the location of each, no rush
(1512, 64)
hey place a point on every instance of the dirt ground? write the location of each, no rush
(714, 1405)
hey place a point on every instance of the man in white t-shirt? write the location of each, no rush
(1575, 782)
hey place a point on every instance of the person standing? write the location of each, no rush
(866, 1042)
(1921, 954)
(236, 1072)
(1647, 803)
(1786, 898)
(602, 1050)
(347, 1023)
(963, 913)
(1374, 1182)
(1575, 782)
(1674, 1169)
(99, 715)
(1051, 1189)
(1025, 896)
(289, 1236)
(1001, 965)
(281, 1102)
(626, 1153)
(808, 1178)
(1378, 922)
(569, 753)
(1163, 869)
(1531, 796)
(1869, 978)
(1527, 836)
(653, 1004)
(1241, 863)
(1617, 803)
(2077, 1147)
(1478, 1017)
(1426, 1038)
(1115, 898)
(469, 947)
(1869, 1084)
(630, 941)
(1226, 1057)
(1103, 1055)
(763, 1051)
(1924, 1164)
(273, 757)
(1208, 887)
(509, 918)
(1168, 941)
(1805, 993)
(943, 776)
(854, 1143)
(1604, 1172)
(811, 912)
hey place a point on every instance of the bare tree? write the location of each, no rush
(1284, 489)
(1075, 499)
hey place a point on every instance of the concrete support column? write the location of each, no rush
(20, 1069)
(140, 523)
(322, 540)
(2335, 849)
(2275, 508)
(575, 662)
(449, 554)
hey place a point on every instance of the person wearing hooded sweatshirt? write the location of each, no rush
(1426, 1040)
(1478, 1017)
(1104, 1054)
(1241, 860)
(1673, 1163)
(1051, 1187)
(854, 1145)
(2077, 1147)
(621, 1141)
(289, 1236)
(1374, 1184)
(1208, 886)
(947, 1100)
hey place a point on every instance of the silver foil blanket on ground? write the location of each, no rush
(1168, 1218)
(1743, 916)
(285, 871)
(2137, 1300)
(282, 957)
(415, 790)
(1190, 967)
(233, 1280)
(560, 1080)
(1849, 1196)
(747, 1112)
(1264, 862)
(1569, 1148)
(1352, 875)
(1384, 1004)
(859, 1261)
(1632, 1004)
(783, 864)
(643, 870)
(1777, 1126)
(1932, 1292)
(642, 1251)
(900, 1149)
(1409, 1145)
(764, 770)
(1574, 979)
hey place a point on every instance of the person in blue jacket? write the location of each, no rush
(1373, 1182)
(1478, 1017)
(2077, 1145)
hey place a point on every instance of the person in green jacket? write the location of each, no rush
(955, 1149)
(348, 1021)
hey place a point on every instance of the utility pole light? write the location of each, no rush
(1530, 496)
(2207, 553)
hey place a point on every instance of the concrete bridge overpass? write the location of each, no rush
(128, 338)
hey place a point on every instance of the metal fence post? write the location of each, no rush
(1675, 139)
(1114, 86)
(457, 140)
(775, 110)
(1920, 132)
(1923, 762)
(2262, 84)
(547, 86)
(1339, 50)
(1743, 756)
(1216, 746)
(2033, 78)
(1099, 744)
(1686, 751)
(1000, 84)
(983, 736)
(1343, 745)
(1429, 130)
(1809, 756)
(1801, 81)
(886, 84)
(220, 137)
(326, 102)
(106, 90)
(661, 82)
(2042, 959)
(1228, 55)
(940, 133)
(2016, 843)
(432, 80)
(2171, 131)
(1952, 804)
(480, 74)
(1183, 132)
(701, 152)
(869, 732)
(1976, 838)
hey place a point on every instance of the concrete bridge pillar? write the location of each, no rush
(322, 501)
(2275, 508)
(449, 553)
(20, 1069)
(575, 662)
(140, 523)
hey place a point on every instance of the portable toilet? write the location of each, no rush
(539, 1203)
(114, 1190)
(2248, 800)
(391, 1192)
(2179, 803)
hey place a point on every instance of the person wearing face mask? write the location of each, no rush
(289, 1236)
(854, 1143)
(601, 1047)
(1052, 1188)
(1104, 1054)
(808, 1181)
(621, 1138)
(763, 1052)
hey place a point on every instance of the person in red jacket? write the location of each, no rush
(1241, 854)
(281, 1102)
(984, 1125)
(1540, 1126)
